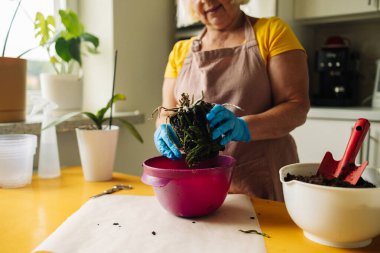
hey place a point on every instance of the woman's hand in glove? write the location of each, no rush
(167, 142)
(227, 125)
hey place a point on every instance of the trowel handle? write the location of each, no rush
(356, 139)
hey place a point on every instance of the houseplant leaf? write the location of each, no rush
(132, 130)
(71, 21)
(115, 98)
(68, 49)
(61, 119)
(97, 121)
(67, 43)
(87, 37)
(74, 47)
(62, 47)
(98, 118)
(45, 27)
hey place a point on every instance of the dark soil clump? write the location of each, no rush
(336, 182)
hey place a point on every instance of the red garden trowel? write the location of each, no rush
(346, 169)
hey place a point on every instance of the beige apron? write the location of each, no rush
(238, 76)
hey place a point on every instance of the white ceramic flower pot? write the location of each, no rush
(64, 90)
(97, 149)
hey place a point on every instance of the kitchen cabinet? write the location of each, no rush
(314, 9)
(322, 133)
(260, 8)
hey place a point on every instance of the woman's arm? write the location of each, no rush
(288, 74)
(168, 99)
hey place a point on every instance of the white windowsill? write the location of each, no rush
(32, 125)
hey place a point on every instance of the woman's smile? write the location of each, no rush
(217, 14)
(213, 9)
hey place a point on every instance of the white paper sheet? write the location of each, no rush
(121, 223)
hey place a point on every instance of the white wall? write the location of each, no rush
(142, 32)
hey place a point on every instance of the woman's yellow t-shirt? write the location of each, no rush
(273, 36)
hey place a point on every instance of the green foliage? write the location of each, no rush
(69, 44)
(45, 27)
(99, 118)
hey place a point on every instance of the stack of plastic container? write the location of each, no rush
(16, 159)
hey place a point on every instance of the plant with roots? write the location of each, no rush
(189, 122)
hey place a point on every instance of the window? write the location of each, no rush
(21, 37)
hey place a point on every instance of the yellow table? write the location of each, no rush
(31, 214)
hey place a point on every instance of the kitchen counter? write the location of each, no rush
(30, 214)
(344, 113)
(32, 124)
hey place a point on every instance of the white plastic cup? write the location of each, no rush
(16, 159)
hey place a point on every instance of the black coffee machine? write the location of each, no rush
(338, 77)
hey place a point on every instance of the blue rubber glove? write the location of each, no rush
(227, 125)
(166, 142)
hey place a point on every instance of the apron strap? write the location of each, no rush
(250, 36)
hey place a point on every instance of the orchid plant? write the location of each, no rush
(98, 119)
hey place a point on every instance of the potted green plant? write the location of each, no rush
(13, 83)
(65, 49)
(97, 141)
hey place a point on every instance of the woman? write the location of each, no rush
(256, 64)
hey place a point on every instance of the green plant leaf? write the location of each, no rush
(114, 99)
(95, 119)
(253, 231)
(88, 37)
(54, 60)
(45, 27)
(62, 47)
(68, 49)
(91, 50)
(132, 129)
(70, 44)
(71, 21)
(61, 119)
(75, 50)
(99, 119)
(66, 35)
(101, 112)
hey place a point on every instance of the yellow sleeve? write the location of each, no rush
(274, 37)
(177, 57)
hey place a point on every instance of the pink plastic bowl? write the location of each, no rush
(189, 192)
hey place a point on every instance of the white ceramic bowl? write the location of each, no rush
(333, 216)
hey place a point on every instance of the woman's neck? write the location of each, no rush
(236, 24)
(230, 36)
